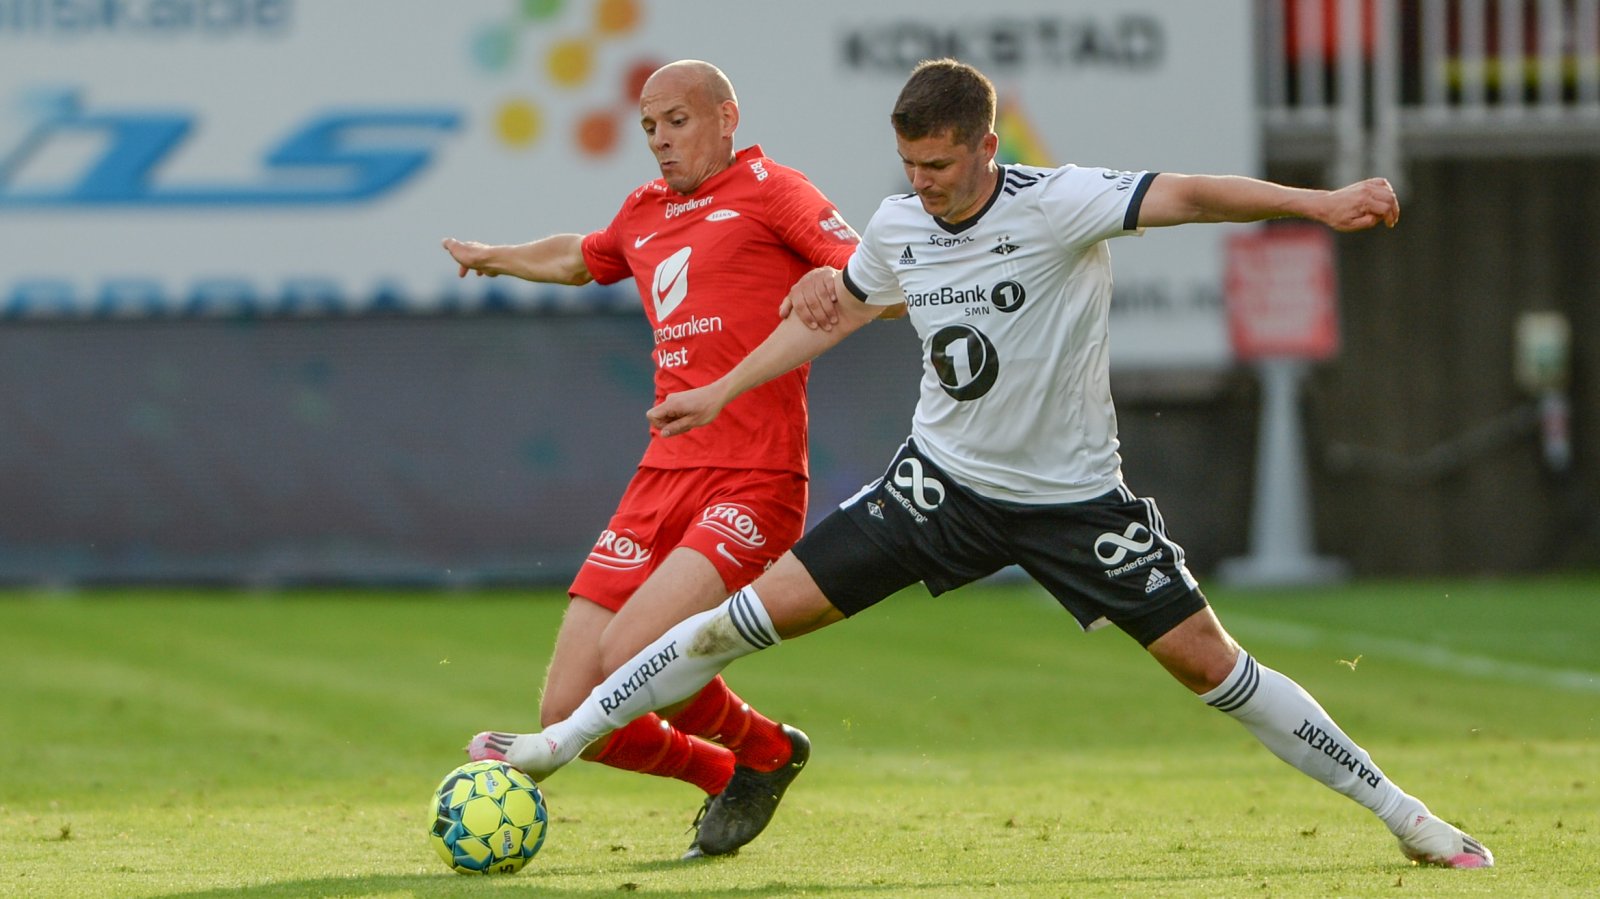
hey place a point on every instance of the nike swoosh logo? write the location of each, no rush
(723, 549)
(641, 241)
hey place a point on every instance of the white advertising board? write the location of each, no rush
(303, 157)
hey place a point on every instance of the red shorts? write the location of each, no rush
(741, 520)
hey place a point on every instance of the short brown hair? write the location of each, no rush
(945, 95)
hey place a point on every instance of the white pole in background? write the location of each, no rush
(1281, 551)
(1282, 317)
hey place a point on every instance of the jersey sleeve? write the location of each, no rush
(1088, 205)
(806, 220)
(870, 275)
(602, 251)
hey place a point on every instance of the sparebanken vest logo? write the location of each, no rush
(671, 283)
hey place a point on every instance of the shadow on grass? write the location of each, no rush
(446, 884)
(451, 885)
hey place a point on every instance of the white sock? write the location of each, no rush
(1289, 722)
(674, 667)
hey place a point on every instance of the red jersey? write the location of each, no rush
(712, 268)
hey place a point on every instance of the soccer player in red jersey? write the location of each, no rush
(713, 245)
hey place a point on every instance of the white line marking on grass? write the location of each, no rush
(1426, 654)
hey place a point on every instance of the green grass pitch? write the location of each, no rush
(213, 744)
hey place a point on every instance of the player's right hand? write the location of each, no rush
(1362, 205)
(814, 299)
(470, 255)
(685, 411)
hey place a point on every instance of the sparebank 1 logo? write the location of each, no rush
(325, 156)
(573, 34)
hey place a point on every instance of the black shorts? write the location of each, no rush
(1104, 559)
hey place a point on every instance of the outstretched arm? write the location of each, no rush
(791, 344)
(1183, 199)
(816, 302)
(557, 259)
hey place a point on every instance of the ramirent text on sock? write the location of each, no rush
(639, 678)
(1317, 738)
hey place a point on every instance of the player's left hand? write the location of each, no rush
(685, 411)
(1362, 205)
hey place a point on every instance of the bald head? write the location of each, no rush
(691, 76)
(689, 113)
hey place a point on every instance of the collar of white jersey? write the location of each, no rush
(966, 223)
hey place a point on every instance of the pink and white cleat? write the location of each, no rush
(490, 746)
(536, 755)
(1430, 841)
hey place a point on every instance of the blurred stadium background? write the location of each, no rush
(232, 352)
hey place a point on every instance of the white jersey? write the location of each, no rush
(1012, 307)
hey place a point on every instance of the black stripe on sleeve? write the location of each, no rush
(1130, 219)
(851, 286)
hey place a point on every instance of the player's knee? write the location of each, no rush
(1199, 675)
(791, 599)
(1199, 655)
(801, 619)
(1208, 672)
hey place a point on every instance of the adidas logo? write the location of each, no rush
(906, 258)
(1156, 581)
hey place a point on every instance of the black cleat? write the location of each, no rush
(745, 806)
(694, 848)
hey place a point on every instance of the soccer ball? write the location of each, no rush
(487, 817)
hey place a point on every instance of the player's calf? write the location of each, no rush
(676, 666)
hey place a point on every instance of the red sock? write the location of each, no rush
(652, 746)
(716, 713)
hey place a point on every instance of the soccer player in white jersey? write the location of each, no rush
(1012, 458)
